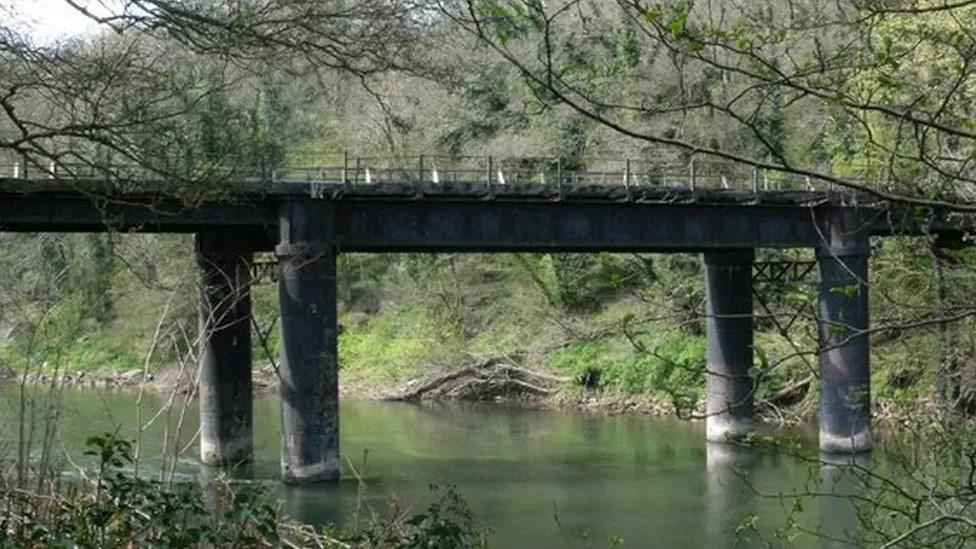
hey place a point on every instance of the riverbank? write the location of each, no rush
(605, 363)
(795, 406)
(474, 383)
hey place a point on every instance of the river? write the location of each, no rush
(533, 478)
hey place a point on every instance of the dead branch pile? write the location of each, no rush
(488, 380)
(791, 394)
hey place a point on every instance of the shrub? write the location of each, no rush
(671, 364)
(113, 508)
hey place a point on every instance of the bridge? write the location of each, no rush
(308, 216)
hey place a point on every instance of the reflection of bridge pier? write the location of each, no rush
(840, 484)
(730, 498)
(306, 222)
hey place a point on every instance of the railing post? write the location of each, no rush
(755, 180)
(490, 167)
(559, 178)
(355, 178)
(419, 189)
(630, 194)
(691, 174)
(345, 166)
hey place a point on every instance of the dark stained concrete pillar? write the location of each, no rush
(226, 418)
(309, 343)
(845, 392)
(728, 330)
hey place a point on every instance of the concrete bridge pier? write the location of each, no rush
(845, 391)
(308, 368)
(728, 332)
(226, 409)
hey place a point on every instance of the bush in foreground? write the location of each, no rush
(110, 507)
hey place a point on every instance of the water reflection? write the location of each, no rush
(840, 482)
(209, 481)
(730, 495)
(216, 484)
(318, 503)
(535, 479)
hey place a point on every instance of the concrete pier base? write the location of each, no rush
(728, 330)
(845, 391)
(309, 342)
(225, 392)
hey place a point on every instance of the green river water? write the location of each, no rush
(534, 479)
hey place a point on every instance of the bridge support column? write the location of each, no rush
(845, 392)
(226, 416)
(728, 330)
(309, 342)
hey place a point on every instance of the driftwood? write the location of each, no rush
(487, 380)
(791, 394)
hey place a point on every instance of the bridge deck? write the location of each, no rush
(462, 216)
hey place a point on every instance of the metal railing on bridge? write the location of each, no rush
(435, 170)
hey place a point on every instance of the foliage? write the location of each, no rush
(673, 366)
(581, 283)
(445, 524)
(115, 509)
(109, 507)
(391, 346)
(918, 491)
